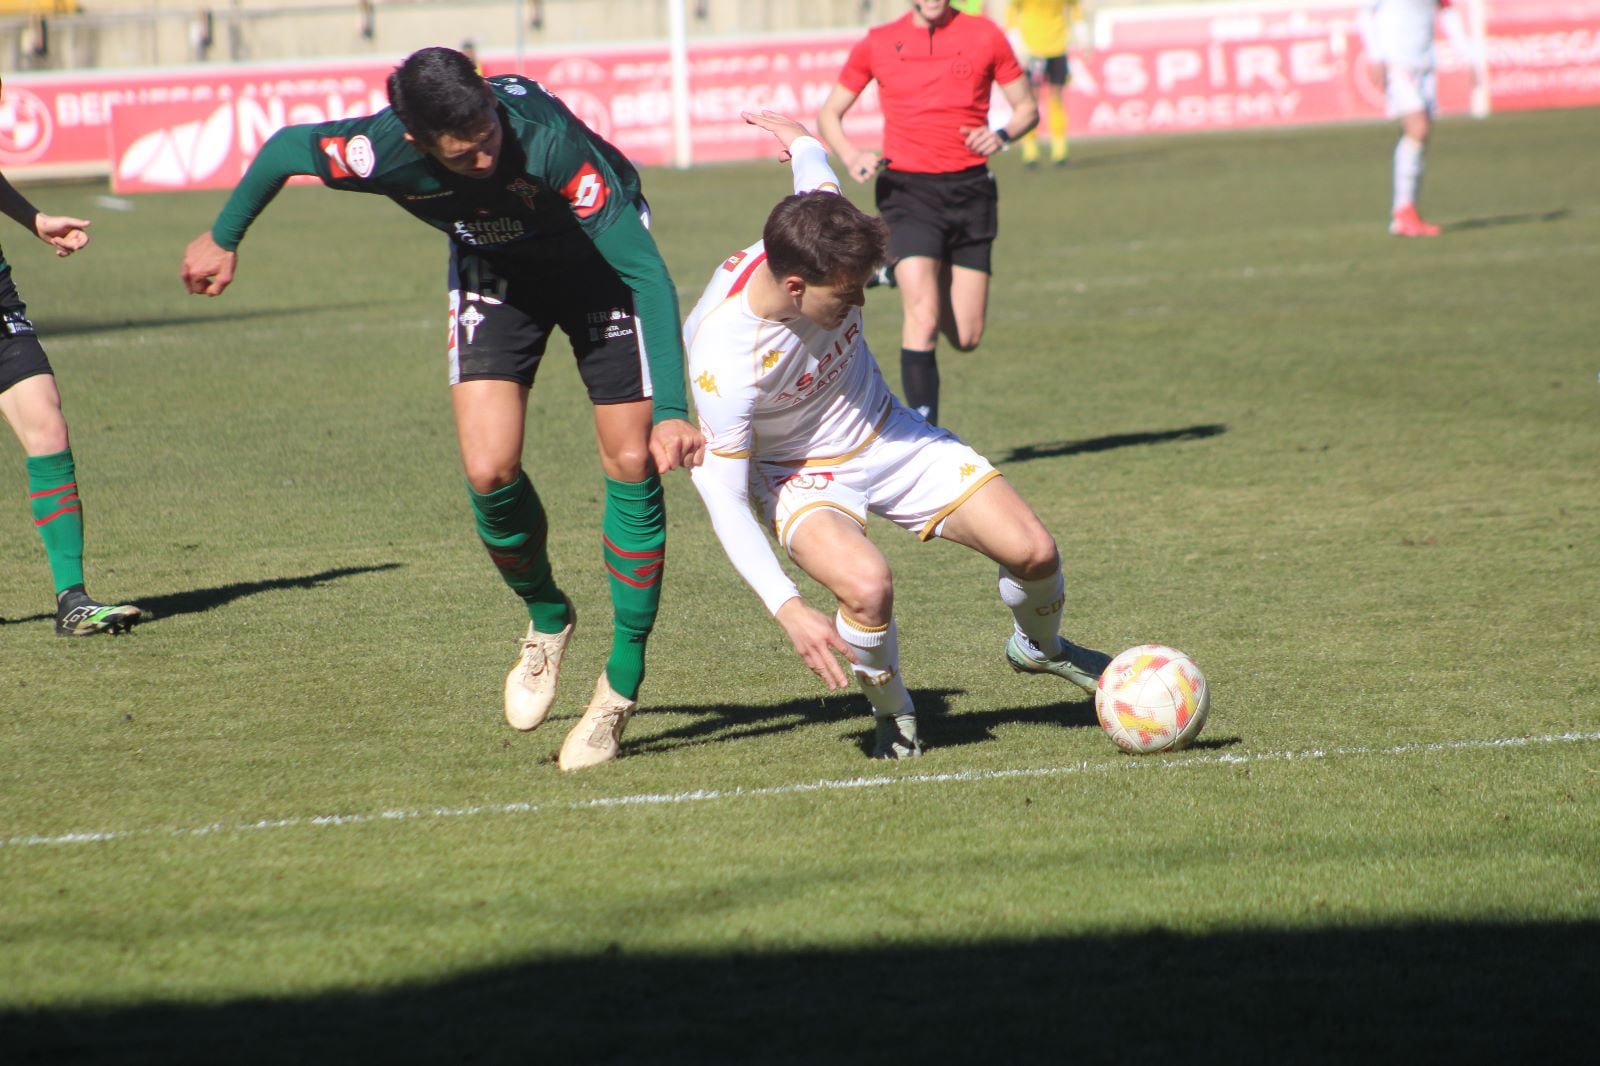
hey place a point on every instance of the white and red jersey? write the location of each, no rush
(774, 392)
(780, 391)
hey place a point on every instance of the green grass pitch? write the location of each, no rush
(1357, 478)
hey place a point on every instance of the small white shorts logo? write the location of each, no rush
(359, 157)
(514, 89)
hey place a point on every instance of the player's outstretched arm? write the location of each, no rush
(65, 234)
(210, 259)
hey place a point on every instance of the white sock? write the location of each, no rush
(1036, 607)
(877, 665)
(1407, 172)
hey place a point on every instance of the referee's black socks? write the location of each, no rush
(919, 378)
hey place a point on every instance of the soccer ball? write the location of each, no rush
(1152, 698)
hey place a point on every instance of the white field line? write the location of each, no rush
(698, 795)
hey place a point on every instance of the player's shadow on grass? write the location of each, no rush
(1558, 215)
(1330, 991)
(726, 721)
(70, 327)
(1028, 452)
(937, 727)
(198, 601)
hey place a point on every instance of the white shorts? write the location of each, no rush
(910, 473)
(1407, 90)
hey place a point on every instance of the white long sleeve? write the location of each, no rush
(809, 159)
(721, 482)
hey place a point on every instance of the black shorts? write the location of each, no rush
(503, 311)
(1049, 70)
(949, 217)
(21, 354)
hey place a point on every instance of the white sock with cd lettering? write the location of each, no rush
(877, 665)
(1036, 607)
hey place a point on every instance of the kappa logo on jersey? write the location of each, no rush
(586, 192)
(732, 262)
(770, 360)
(708, 383)
(967, 470)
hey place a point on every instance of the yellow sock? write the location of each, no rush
(1030, 147)
(1056, 112)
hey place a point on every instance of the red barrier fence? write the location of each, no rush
(1176, 69)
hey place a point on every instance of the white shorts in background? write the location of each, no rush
(910, 473)
(1407, 90)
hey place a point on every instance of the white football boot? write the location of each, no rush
(598, 734)
(531, 684)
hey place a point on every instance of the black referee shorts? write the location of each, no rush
(949, 217)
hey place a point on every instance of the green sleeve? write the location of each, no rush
(632, 253)
(286, 153)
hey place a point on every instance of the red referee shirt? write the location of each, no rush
(931, 82)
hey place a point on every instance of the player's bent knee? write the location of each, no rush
(1038, 558)
(866, 596)
(628, 464)
(487, 477)
(967, 340)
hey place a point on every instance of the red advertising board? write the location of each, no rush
(1156, 70)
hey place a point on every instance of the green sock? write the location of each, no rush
(635, 548)
(57, 514)
(512, 525)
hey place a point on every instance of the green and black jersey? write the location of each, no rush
(555, 182)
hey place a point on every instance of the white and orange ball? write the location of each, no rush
(1152, 698)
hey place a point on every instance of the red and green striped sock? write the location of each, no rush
(512, 525)
(634, 544)
(58, 515)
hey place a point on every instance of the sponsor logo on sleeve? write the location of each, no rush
(334, 149)
(586, 192)
(360, 156)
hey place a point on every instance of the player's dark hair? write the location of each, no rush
(438, 91)
(823, 239)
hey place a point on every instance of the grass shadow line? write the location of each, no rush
(1402, 992)
(1558, 215)
(1028, 452)
(198, 601)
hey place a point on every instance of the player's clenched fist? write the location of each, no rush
(207, 266)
